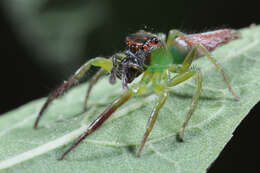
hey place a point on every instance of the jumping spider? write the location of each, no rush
(156, 58)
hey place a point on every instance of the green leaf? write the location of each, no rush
(112, 148)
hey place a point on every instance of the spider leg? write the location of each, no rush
(137, 90)
(192, 55)
(181, 78)
(101, 62)
(115, 58)
(194, 103)
(172, 35)
(101, 119)
(184, 74)
(102, 72)
(93, 81)
(152, 119)
(213, 61)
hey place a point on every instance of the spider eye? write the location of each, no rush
(133, 48)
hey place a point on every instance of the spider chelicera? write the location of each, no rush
(156, 58)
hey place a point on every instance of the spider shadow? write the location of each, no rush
(189, 96)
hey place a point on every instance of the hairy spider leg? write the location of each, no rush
(173, 34)
(152, 119)
(181, 78)
(162, 90)
(108, 112)
(186, 73)
(98, 61)
(194, 103)
(213, 61)
(101, 119)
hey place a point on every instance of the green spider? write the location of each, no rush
(156, 58)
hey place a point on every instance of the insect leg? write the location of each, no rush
(101, 62)
(101, 119)
(180, 78)
(152, 119)
(213, 61)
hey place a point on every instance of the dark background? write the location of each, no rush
(24, 79)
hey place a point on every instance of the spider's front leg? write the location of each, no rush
(138, 89)
(115, 58)
(101, 119)
(106, 64)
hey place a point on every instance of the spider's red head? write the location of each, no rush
(142, 40)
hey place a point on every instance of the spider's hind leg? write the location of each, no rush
(213, 61)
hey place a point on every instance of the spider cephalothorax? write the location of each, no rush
(136, 58)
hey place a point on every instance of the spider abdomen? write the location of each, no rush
(182, 45)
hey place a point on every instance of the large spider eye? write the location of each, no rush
(133, 48)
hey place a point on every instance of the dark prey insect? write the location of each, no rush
(164, 63)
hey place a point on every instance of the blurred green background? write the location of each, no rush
(44, 41)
